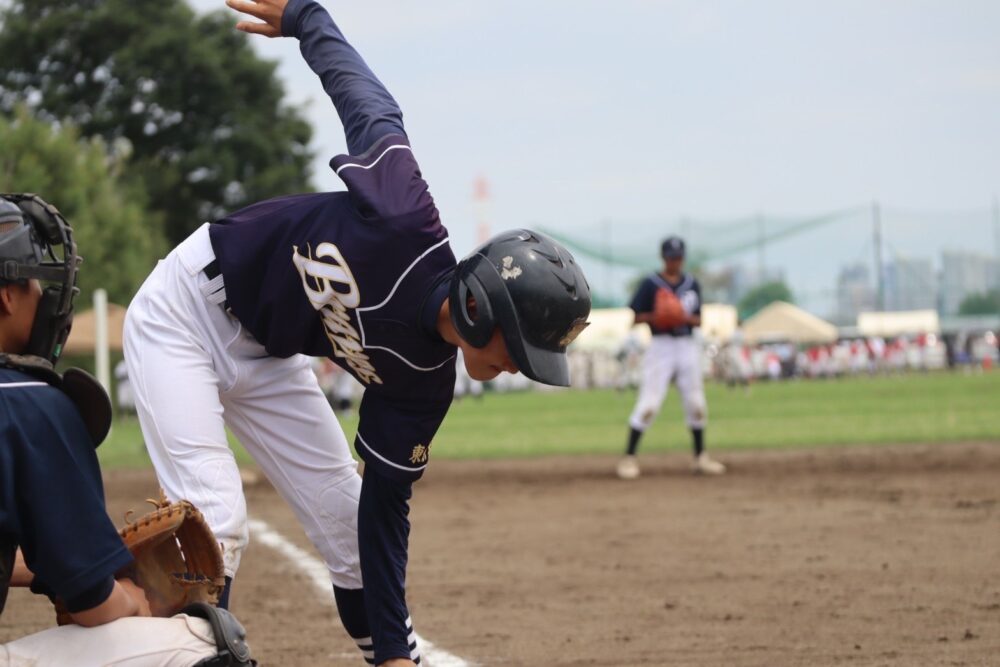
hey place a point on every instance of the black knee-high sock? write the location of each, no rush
(633, 441)
(351, 607)
(698, 436)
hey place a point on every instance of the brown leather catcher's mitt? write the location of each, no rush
(667, 310)
(177, 558)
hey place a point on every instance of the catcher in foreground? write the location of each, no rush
(670, 303)
(55, 535)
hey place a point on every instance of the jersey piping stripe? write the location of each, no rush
(407, 361)
(14, 385)
(387, 461)
(361, 324)
(381, 155)
(403, 275)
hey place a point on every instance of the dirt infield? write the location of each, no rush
(887, 556)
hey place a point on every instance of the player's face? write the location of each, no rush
(20, 302)
(485, 363)
(674, 265)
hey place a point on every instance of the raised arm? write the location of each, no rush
(367, 110)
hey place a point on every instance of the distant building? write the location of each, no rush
(855, 293)
(911, 284)
(964, 274)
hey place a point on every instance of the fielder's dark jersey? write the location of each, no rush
(687, 290)
(51, 494)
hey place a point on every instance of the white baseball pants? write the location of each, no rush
(670, 358)
(194, 370)
(179, 641)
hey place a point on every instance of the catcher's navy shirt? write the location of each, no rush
(687, 290)
(51, 494)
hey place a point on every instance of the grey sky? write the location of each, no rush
(645, 111)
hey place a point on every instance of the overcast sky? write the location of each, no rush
(643, 111)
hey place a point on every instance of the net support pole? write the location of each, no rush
(102, 358)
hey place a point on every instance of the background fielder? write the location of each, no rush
(673, 355)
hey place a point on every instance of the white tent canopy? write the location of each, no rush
(899, 323)
(83, 335)
(609, 327)
(783, 322)
(718, 321)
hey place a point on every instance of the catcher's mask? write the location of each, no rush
(36, 242)
(531, 287)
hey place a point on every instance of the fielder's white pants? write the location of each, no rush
(179, 641)
(194, 370)
(671, 358)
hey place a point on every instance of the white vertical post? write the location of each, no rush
(102, 361)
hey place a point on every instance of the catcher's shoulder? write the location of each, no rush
(23, 391)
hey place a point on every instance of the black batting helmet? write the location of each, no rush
(532, 288)
(36, 242)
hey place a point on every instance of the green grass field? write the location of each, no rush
(914, 408)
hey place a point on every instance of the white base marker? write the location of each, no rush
(316, 571)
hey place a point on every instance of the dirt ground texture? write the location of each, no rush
(835, 556)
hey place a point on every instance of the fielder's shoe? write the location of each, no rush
(628, 468)
(706, 466)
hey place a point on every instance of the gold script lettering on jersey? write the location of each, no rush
(332, 291)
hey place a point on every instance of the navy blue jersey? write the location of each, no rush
(51, 494)
(349, 275)
(687, 290)
(358, 276)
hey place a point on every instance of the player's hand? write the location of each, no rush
(136, 593)
(268, 11)
(21, 576)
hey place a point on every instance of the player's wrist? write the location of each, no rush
(138, 596)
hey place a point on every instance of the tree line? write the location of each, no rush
(139, 121)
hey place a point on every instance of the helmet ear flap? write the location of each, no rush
(476, 329)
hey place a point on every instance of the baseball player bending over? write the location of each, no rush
(670, 303)
(55, 535)
(221, 332)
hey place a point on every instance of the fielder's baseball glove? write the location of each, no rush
(668, 312)
(177, 558)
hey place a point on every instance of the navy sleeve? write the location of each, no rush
(367, 110)
(642, 301)
(55, 487)
(394, 436)
(696, 288)
(385, 182)
(91, 597)
(383, 540)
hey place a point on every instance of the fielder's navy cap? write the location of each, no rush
(672, 248)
